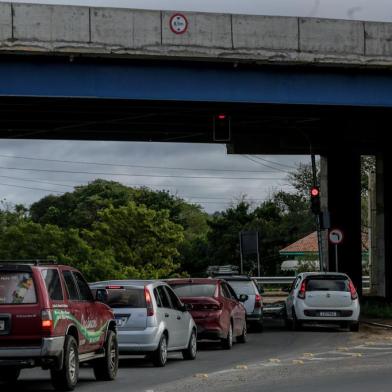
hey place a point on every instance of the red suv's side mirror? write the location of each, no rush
(102, 295)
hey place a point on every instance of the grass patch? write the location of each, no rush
(375, 309)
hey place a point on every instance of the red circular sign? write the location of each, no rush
(178, 24)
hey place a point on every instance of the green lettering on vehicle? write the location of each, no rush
(91, 336)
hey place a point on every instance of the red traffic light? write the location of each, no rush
(222, 116)
(314, 192)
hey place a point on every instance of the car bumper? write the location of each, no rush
(255, 316)
(51, 348)
(305, 313)
(145, 340)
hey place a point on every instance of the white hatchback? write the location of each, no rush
(316, 297)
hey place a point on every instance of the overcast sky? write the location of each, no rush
(378, 10)
(188, 170)
(213, 193)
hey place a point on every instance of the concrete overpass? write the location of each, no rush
(290, 85)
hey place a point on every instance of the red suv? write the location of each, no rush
(218, 313)
(49, 318)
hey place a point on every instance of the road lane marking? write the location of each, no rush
(274, 360)
(298, 362)
(201, 375)
(241, 367)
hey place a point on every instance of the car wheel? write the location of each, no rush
(9, 375)
(159, 356)
(190, 352)
(227, 343)
(67, 378)
(354, 327)
(295, 324)
(105, 369)
(259, 326)
(244, 336)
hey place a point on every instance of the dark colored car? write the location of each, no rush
(49, 318)
(218, 313)
(243, 284)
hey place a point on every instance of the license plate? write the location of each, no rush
(2, 325)
(328, 314)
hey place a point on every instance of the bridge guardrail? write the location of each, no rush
(277, 280)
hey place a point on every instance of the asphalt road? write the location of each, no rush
(278, 360)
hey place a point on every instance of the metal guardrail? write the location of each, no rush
(289, 279)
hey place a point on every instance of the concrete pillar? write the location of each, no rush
(377, 231)
(384, 216)
(344, 203)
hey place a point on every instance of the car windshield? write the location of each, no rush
(242, 287)
(126, 298)
(194, 290)
(322, 283)
(17, 288)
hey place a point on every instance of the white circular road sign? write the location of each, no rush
(178, 24)
(336, 236)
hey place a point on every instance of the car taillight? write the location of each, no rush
(47, 321)
(302, 290)
(258, 301)
(114, 287)
(353, 291)
(150, 306)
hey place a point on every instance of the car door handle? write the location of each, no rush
(178, 317)
(166, 314)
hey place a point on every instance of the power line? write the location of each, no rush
(264, 165)
(135, 166)
(31, 188)
(275, 163)
(139, 175)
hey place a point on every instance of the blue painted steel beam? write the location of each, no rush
(184, 82)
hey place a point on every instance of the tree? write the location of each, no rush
(29, 240)
(144, 241)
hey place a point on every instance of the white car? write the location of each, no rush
(317, 297)
(151, 320)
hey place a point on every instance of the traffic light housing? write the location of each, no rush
(315, 203)
(222, 128)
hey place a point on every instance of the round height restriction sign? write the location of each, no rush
(336, 236)
(178, 24)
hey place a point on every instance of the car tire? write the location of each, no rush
(354, 327)
(227, 343)
(244, 336)
(259, 326)
(105, 369)
(159, 356)
(9, 375)
(67, 377)
(190, 352)
(296, 325)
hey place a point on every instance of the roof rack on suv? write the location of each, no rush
(30, 261)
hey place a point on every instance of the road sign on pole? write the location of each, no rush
(336, 238)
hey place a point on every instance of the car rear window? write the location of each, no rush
(126, 298)
(17, 288)
(242, 287)
(327, 283)
(194, 290)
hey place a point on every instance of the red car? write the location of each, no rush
(49, 318)
(218, 313)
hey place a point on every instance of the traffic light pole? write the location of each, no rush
(318, 226)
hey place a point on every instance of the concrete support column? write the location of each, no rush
(377, 230)
(344, 203)
(384, 216)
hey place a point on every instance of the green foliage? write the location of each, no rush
(142, 240)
